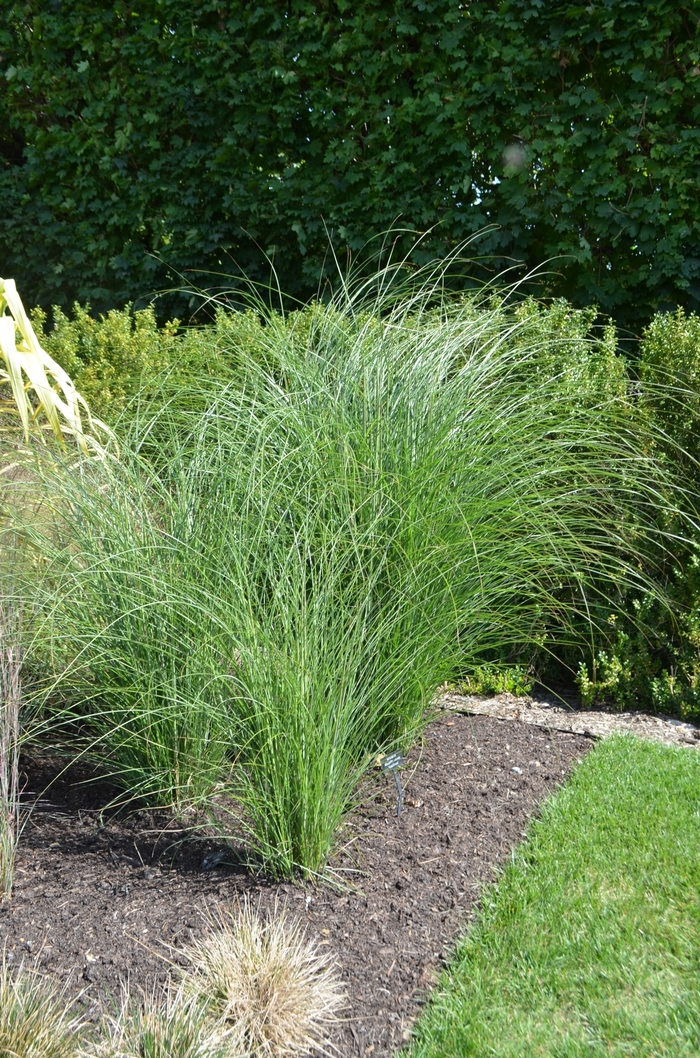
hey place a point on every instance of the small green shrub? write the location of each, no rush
(669, 370)
(107, 357)
(651, 657)
(496, 679)
(582, 357)
(611, 680)
(116, 356)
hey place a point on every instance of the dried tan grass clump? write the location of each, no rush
(268, 988)
(35, 1022)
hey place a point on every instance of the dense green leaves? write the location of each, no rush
(652, 657)
(137, 143)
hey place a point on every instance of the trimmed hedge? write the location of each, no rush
(143, 147)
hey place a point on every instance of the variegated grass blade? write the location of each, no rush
(28, 367)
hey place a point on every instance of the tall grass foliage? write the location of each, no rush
(266, 588)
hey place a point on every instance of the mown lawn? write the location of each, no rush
(590, 942)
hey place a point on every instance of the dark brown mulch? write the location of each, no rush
(95, 902)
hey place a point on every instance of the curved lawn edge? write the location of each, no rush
(589, 944)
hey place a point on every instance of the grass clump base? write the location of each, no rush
(589, 943)
(267, 989)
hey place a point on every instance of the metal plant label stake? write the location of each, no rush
(391, 763)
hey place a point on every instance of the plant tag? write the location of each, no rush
(390, 764)
(392, 761)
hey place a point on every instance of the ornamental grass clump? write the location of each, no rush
(34, 1021)
(170, 1027)
(268, 990)
(267, 587)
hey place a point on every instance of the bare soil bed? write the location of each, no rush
(102, 898)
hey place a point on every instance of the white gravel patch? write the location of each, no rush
(554, 714)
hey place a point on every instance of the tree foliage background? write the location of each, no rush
(139, 142)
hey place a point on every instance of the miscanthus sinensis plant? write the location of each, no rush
(269, 585)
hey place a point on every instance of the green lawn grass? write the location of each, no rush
(590, 942)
